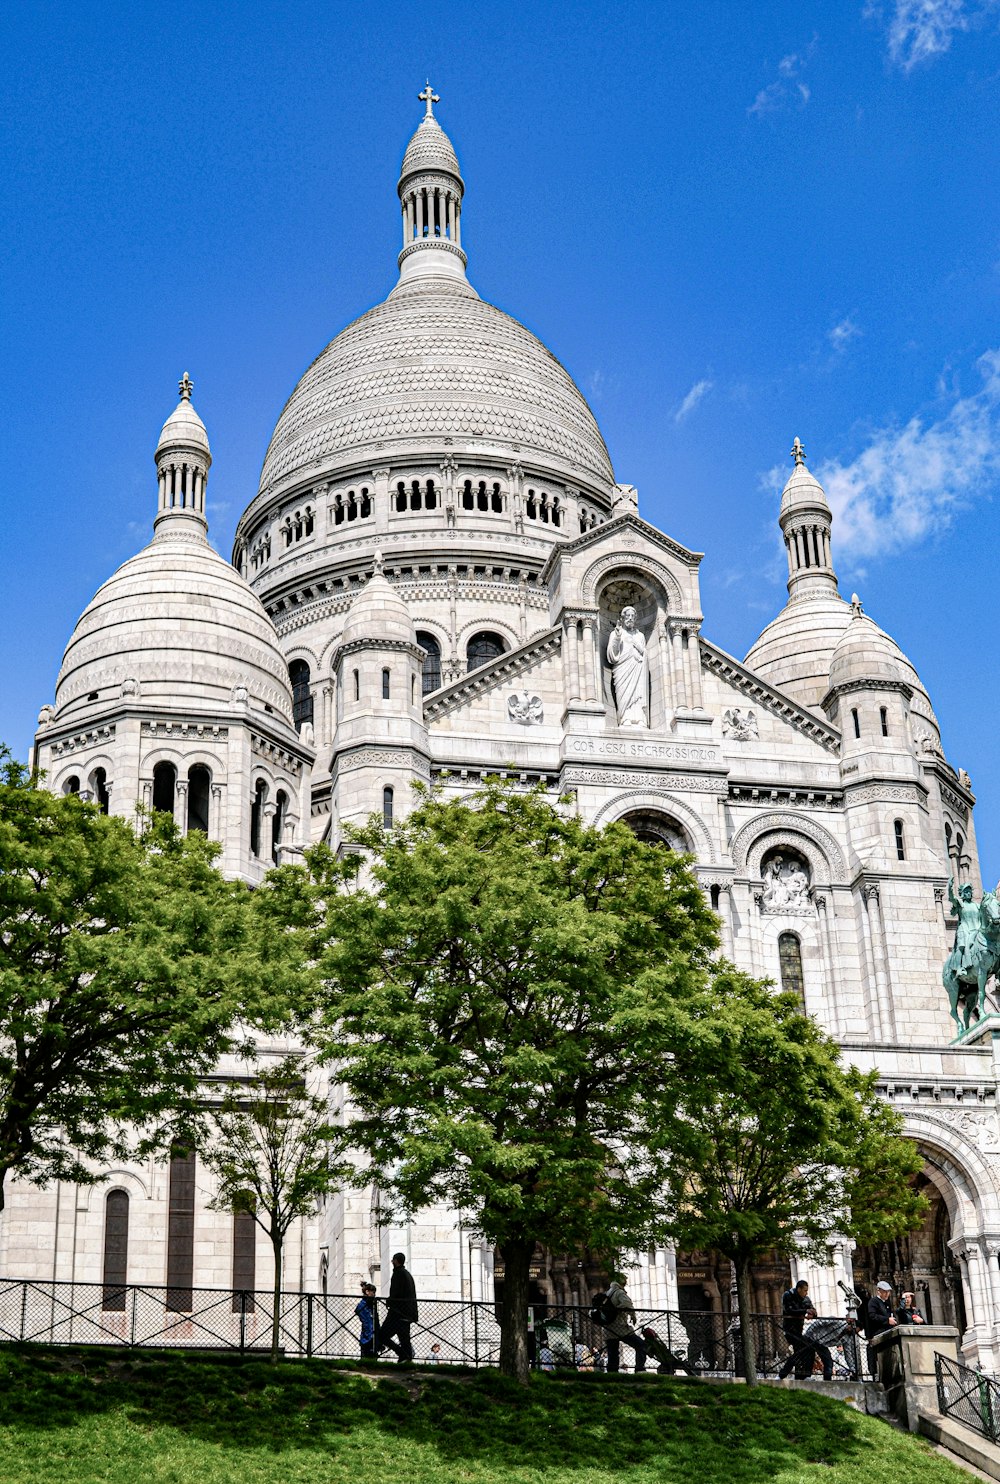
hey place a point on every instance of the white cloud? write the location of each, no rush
(844, 332)
(694, 396)
(920, 30)
(769, 99)
(911, 480)
(781, 94)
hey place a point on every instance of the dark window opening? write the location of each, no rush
(164, 787)
(468, 497)
(431, 674)
(900, 843)
(357, 685)
(884, 717)
(256, 816)
(302, 700)
(244, 1259)
(199, 792)
(115, 1251)
(790, 966)
(278, 823)
(385, 685)
(180, 1233)
(482, 648)
(387, 808)
(102, 796)
(857, 723)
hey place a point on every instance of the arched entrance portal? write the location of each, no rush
(921, 1261)
(657, 828)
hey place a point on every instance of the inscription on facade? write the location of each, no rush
(673, 752)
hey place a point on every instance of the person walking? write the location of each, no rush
(615, 1311)
(400, 1311)
(368, 1315)
(796, 1308)
(820, 1334)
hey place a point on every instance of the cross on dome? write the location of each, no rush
(186, 387)
(429, 97)
(798, 453)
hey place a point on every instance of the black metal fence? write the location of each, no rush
(449, 1332)
(969, 1396)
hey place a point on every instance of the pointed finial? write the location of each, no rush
(186, 387)
(378, 565)
(429, 97)
(798, 453)
(856, 608)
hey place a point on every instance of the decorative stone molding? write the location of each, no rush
(637, 560)
(885, 793)
(979, 1126)
(702, 844)
(273, 753)
(797, 798)
(766, 697)
(953, 800)
(615, 778)
(186, 730)
(768, 831)
(382, 757)
(83, 739)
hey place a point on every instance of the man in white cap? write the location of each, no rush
(880, 1318)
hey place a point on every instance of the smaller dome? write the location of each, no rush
(184, 428)
(429, 150)
(378, 613)
(803, 491)
(864, 652)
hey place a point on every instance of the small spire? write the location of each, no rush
(856, 609)
(429, 97)
(186, 387)
(798, 453)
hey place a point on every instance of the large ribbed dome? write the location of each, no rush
(177, 625)
(435, 362)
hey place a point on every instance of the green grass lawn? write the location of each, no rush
(83, 1417)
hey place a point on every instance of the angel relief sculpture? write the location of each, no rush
(786, 886)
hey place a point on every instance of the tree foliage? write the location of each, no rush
(780, 1146)
(505, 990)
(125, 963)
(269, 1145)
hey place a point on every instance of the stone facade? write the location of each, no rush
(425, 586)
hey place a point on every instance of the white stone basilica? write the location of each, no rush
(435, 580)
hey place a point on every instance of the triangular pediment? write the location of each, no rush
(493, 675)
(745, 683)
(613, 532)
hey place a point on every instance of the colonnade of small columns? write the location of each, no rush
(182, 487)
(432, 211)
(808, 546)
(676, 660)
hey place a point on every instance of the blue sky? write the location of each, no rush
(733, 223)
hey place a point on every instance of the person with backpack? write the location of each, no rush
(613, 1310)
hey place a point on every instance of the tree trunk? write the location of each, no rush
(746, 1320)
(514, 1309)
(276, 1243)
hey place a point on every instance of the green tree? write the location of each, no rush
(269, 1146)
(124, 965)
(780, 1146)
(503, 1002)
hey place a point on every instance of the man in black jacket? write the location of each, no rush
(878, 1318)
(401, 1311)
(795, 1309)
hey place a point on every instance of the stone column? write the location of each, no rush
(215, 824)
(420, 214)
(571, 634)
(181, 805)
(591, 660)
(678, 667)
(873, 918)
(693, 656)
(327, 713)
(829, 962)
(664, 670)
(726, 917)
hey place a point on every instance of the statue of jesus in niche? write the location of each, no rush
(629, 671)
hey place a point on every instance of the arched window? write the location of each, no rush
(72, 785)
(790, 966)
(385, 685)
(431, 677)
(897, 827)
(657, 829)
(244, 1259)
(256, 816)
(387, 808)
(482, 648)
(357, 685)
(164, 786)
(857, 723)
(278, 823)
(180, 1232)
(99, 788)
(199, 786)
(115, 1250)
(302, 701)
(884, 718)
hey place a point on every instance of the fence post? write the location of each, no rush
(475, 1332)
(309, 1325)
(243, 1320)
(135, 1297)
(24, 1306)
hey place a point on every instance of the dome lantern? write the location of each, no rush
(806, 522)
(430, 191)
(183, 459)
